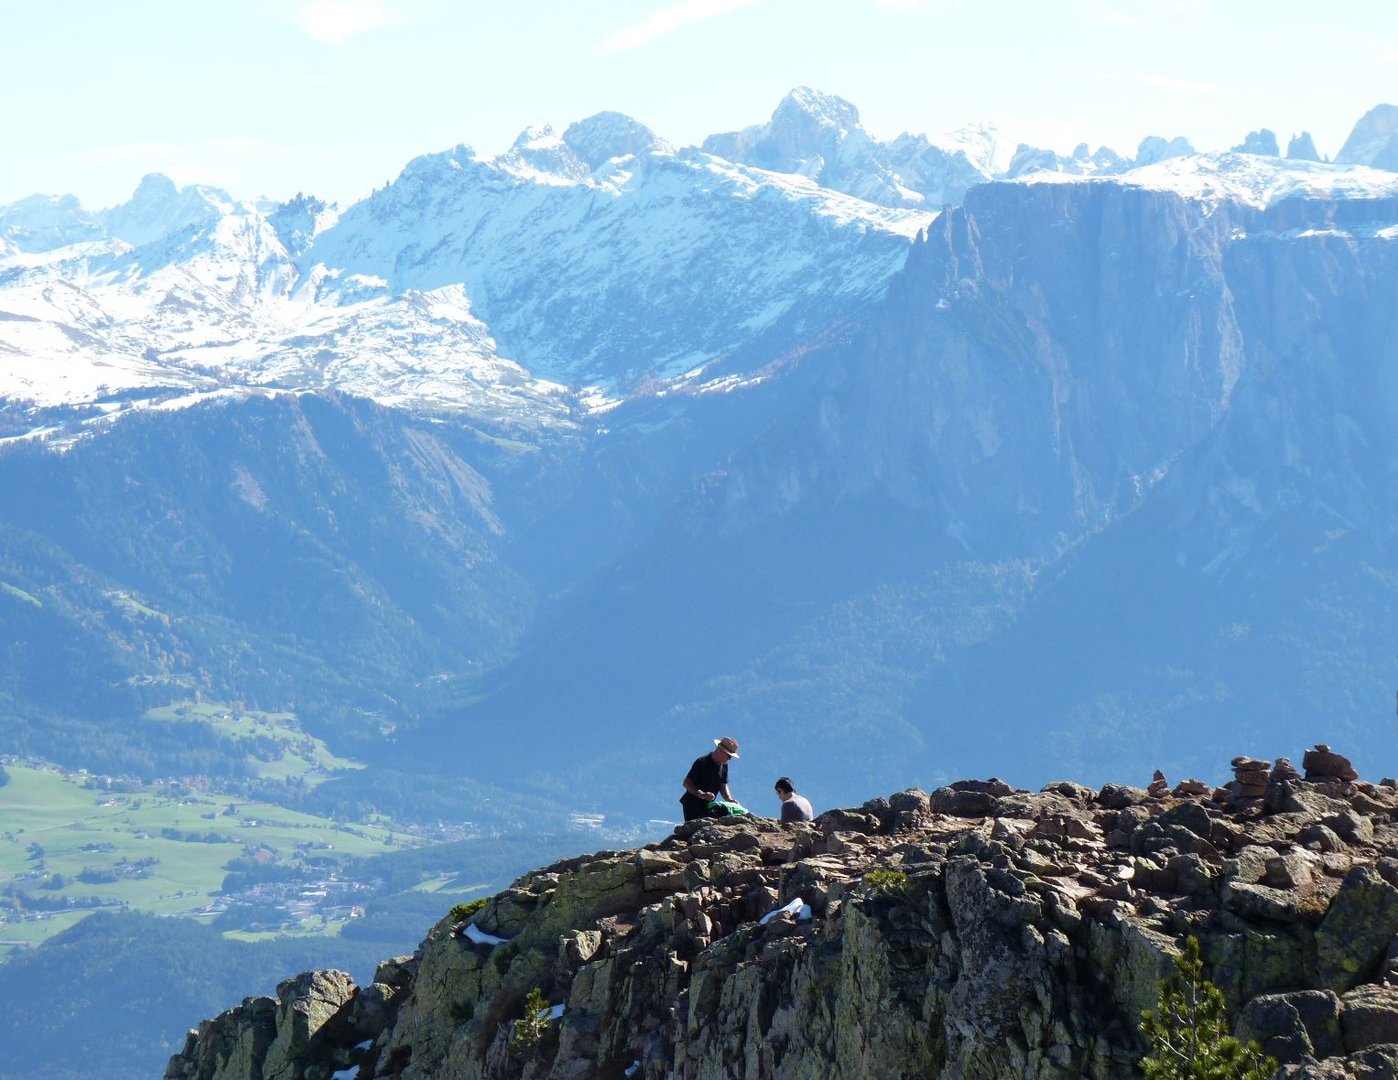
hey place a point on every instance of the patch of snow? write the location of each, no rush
(792, 908)
(1249, 179)
(473, 933)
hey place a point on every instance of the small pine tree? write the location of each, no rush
(530, 1029)
(1190, 1038)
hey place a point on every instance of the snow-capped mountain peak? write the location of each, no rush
(1374, 140)
(541, 153)
(806, 113)
(44, 222)
(1156, 148)
(984, 146)
(819, 136)
(159, 208)
(596, 259)
(611, 135)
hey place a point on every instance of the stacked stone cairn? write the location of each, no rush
(1322, 764)
(978, 931)
(1249, 785)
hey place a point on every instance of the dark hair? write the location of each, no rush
(784, 784)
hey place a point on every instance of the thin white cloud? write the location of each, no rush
(671, 19)
(335, 21)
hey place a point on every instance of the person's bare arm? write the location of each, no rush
(727, 795)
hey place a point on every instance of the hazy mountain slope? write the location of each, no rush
(291, 549)
(1120, 387)
(969, 436)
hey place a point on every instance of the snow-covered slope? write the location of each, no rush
(212, 299)
(565, 272)
(819, 136)
(1247, 179)
(600, 256)
(653, 264)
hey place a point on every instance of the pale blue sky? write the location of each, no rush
(333, 97)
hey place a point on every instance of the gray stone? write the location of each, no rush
(1370, 1017)
(1292, 1026)
(1260, 902)
(1119, 796)
(1351, 827)
(1355, 933)
(1191, 816)
(962, 803)
(1320, 837)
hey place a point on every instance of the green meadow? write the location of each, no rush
(55, 832)
(275, 745)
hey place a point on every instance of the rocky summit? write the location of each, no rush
(978, 931)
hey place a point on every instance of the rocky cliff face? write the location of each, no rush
(980, 931)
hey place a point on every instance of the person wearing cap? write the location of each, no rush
(794, 807)
(707, 779)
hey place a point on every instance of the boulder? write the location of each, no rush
(961, 803)
(1355, 934)
(1290, 1027)
(1260, 902)
(1120, 796)
(311, 1020)
(1370, 1017)
(1322, 764)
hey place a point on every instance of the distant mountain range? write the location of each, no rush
(896, 460)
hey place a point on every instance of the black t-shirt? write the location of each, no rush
(708, 775)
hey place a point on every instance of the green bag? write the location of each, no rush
(720, 808)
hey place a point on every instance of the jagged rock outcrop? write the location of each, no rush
(1374, 140)
(977, 931)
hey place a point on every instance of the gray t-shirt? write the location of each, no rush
(797, 808)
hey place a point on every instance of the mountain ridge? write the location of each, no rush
(977, 930)
(186, 288)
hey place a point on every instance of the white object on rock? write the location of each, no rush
(793, 909)
(480, 937)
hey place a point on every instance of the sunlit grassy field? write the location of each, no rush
(51, 827)
(297, 754)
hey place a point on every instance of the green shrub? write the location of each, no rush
(1190, 1037)
(462, 912)
(530, 1029)
(885, 879)
(501, 956)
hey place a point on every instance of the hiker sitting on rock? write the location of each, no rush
(707, 780)
(794, 807)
